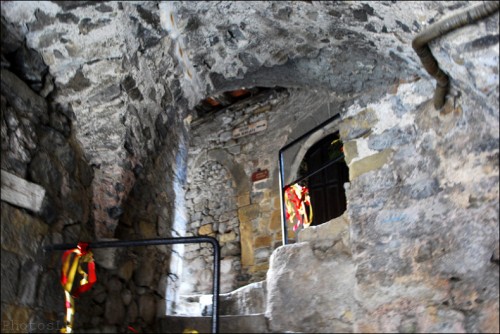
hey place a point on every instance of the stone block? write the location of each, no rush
(248, 213)
(147, 229)
(28, 282)
(226, 266)
(259, 268)
(243, 200)
(206, 230)
(262, 253)
(147, 265)
(98, 292)
(22, 98)
(222, 228)
(59, 122)
(107, 257)
(114, 312)
(28, 64)
(10, 276)
(227, 237)
(126, 297)
(126, 270)
(132, 312)
(114, 284)
(263, 241)
(247, 248)
(369, 163)
(392, 137)
(350, 151)
(78, 82)
(50, 294)
(231, 249)
(44, 171)
(331, 230)
(71, 233)
(289, 287)
(359, 125)
(22, 193)
(21, 233)
(275, 222)
(105, 95)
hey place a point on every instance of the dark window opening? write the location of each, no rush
(326, 188)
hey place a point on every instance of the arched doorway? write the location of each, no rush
(326, 187)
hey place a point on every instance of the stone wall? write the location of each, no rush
(422, 210)
(111, 69)
(125, 129)
(38, 145)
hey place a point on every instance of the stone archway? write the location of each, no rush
(306, 145)
(211, 203)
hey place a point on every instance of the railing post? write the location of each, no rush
(216, 286)
(284, 229)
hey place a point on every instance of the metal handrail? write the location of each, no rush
(282, 171)
(166, 241)
(308, 175)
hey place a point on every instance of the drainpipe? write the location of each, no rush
(421, 43)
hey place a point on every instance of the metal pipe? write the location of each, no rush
(421, 41)
(166, 241)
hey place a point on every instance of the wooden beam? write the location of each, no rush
(20, 192)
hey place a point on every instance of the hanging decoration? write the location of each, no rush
(298, 206)
(72, 261)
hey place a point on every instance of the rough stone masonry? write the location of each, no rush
(97, 109)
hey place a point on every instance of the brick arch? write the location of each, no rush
(236, 171)
(232, 182)
(211, 203)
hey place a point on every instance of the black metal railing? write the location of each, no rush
(282, 171)
(166, 241)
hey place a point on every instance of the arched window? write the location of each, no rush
(326, 187)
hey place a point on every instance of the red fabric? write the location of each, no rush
(92, 279)
(81, 250)
(83, 247)
(296, 205)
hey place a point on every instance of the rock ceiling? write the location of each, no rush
(126, 71)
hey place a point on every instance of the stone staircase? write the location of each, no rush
(240, 311)
(309, 288)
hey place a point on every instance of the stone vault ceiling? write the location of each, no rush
(123, 70)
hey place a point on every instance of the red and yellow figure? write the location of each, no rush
(298, 206)
(72, 261)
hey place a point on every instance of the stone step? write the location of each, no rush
(247, 300)
(254, 323)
